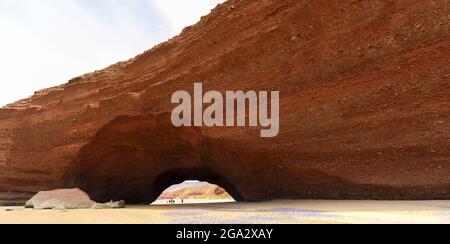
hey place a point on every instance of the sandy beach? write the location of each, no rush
(277, 212)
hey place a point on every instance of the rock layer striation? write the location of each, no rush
(364, 108)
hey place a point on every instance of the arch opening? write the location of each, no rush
(194, 185)
(194, 192)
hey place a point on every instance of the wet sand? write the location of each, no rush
(277, 212)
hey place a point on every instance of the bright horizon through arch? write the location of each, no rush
(194, 192)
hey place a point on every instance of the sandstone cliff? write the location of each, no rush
(196, 191)
(365, 109)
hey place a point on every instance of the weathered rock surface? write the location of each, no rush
(68, 199)
(365, 109)
(60, 199)
(200, 190)
(109, 205)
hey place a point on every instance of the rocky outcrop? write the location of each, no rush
(196, 191)
(60, 199)
(364, 98)
(68, 199)
(110, 205)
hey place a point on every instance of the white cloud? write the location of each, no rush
(47, 42)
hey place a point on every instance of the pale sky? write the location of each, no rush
(44, 43)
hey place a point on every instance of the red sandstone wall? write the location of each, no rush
(365, 108)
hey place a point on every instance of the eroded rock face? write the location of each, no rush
(60, 199)
(365, 109)
(68, 199)
(195, 191)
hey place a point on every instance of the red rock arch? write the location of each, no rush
(135, 158)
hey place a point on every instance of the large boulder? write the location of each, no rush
(68, 199)
(364, 99)
(61, 199)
